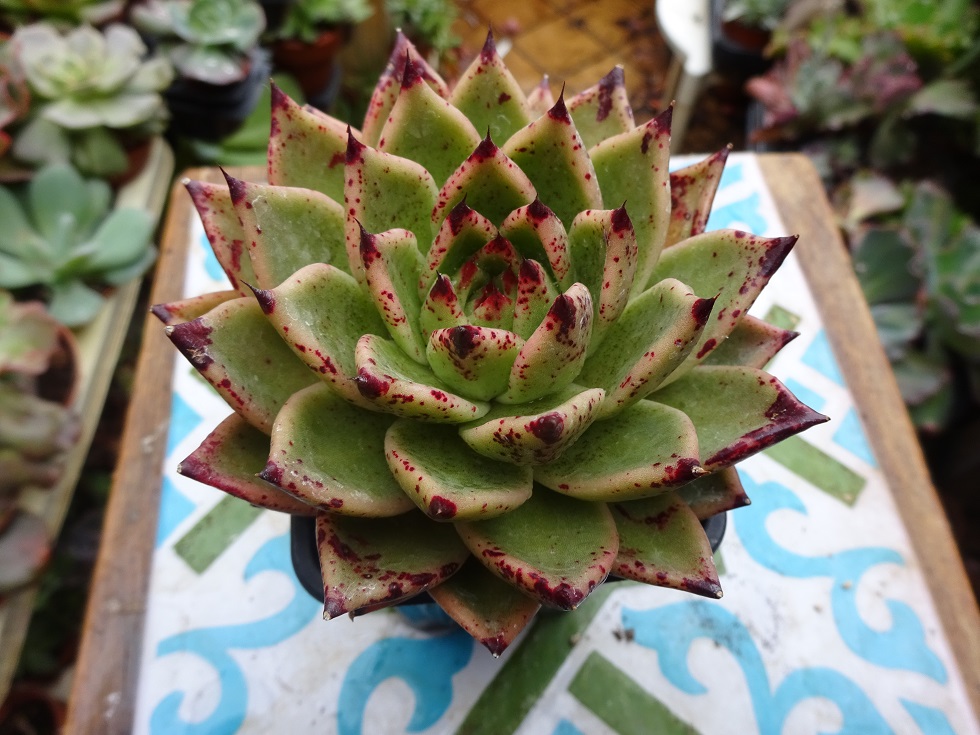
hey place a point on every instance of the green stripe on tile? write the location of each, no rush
(782, 318)
(520, 682)
(621, 703)
(215, 532)
(819, 468)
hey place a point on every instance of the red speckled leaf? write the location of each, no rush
(287, 228)
(386, 91)
(446, 479)
(716, 493)
(651, 338)
(753, 343)
(738, 411)
(331, 455)
(187, 309)
(604, 110)
(374, 562)
(475, 361)
(239, 352)
(462, 234)
(692, 191)
(231, 458)
(490, 97)
(537, 432)
(486, 607)
(551, 153)
(553, 355)
(224, 231)
(661, 542)
(393, 382)
(321, 312)
(307, 148)
(441, 309)
(419, 118)
(734, 266)
(535, 295)
(635, 454)
(538, 234)
(554, 548)
(632, 168)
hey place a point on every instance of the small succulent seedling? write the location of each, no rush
(450, 340)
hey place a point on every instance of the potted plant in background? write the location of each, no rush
(307, 42)
(64, 13)
(741, 30)
(428, 24)
(94, 98)
(214, 47)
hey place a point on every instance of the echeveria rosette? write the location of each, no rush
(489, 378)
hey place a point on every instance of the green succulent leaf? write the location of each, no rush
(602, 111)
(537, 234)
(554, 548)
(336, 465)
(73, 303)
(692, 190)
(661, 542)
(224, 232)
(476, 361)
(120, 240)
(374, 562)
(535, 295)
(461, 235)
(757, 411)
(221, 345)
(637, 453)
(716, 493)
(59, 190)
(230, 460)
(191, 308)
(446, 480)
(441, 309)
(485, 606)
(753, 343)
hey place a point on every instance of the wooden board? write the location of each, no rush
(104, 695)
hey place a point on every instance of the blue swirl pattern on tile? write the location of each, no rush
(673, 629)
(931, 721)
(902, 646)
(213, 645)
(211, 264)
(427, 665)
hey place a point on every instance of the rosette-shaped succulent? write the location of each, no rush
(486, 342)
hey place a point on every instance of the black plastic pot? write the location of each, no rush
(306, 562)
(735, 47)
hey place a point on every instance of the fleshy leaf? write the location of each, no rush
(306, 148)
(230, 460)
(185, 310)
(392, 265)
(602, 111)
(661, 542)
(535, 295)
(462, 234)
(738, 411)
(420, 117)
(538, 234)
(653, 336)
(383, 192)
(475, 361)
(692, 190)
(486, 607)
(554, 548)
(224, 231)
(441, 309)
(330, 454)
(489, 96)
(632, 168)
(553, 355)
(446, 479)
(222, 346)
(488, 181)
(552, 154)
(288, 228)
(635, 454)
(716, 493)
(386, 91)
(540, 99)
(493, 308)
(536, 432)
(321, 312)
(381, 561)
(732, 265)
(395, 383)
(753, 343)
(602, 246)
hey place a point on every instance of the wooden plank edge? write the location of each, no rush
(798, 193)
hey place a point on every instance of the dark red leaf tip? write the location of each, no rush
(266, 299)
(442, 509)
(485, 150)
(271, 473)
(161, 312)
(621, 220)
(489, 51)
(355, 148)
(559, 112)
(192, 339)
(701, 310)
(776, 252)
(464, 339)
(236, 188)
(531, 272)
(414, 71)
(280, 100)
(538, 211)
(458, 215)
(664, 120)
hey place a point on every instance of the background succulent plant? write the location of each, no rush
(306, 19)
(88, 89)
(60, 234)
(486, 376)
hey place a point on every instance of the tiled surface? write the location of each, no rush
(575, 42)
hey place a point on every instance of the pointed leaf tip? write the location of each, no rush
(236, 188)
(559, 112)
(776, 253)
(354, 148)
(414, 71)
(489, 50)
(266, 299)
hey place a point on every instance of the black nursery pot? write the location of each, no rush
(306, 562)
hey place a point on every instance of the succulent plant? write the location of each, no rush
(450, 340)
(306, 19)
(207, 40)
(65, 12)
(59, 233)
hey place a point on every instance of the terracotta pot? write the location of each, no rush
(311, 64)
